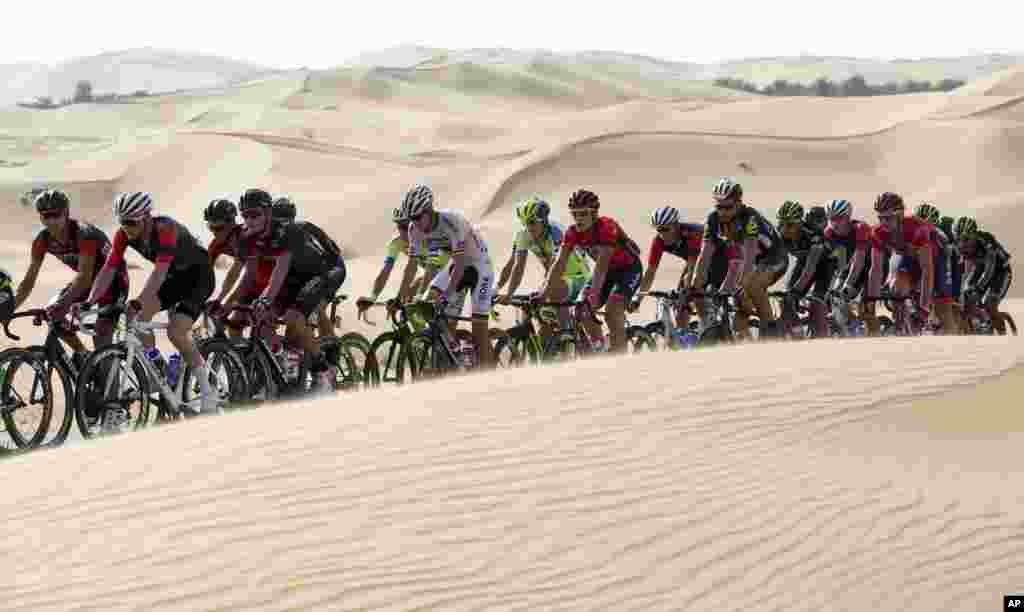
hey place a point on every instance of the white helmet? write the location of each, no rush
(726, 188)
(419, 199)
(132, 205)
(839, 208)
(664, 216)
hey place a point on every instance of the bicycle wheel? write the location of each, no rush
(640, 341)
(506, 352)
(347, 356)
(1009, 323)
(63, 400)
(108, 383)
(229, 378)
(391, 365)
(26, 397)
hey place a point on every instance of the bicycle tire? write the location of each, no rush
(506, 345)
(68, 384)
(338, 351)
(640, 341)
(11, 363)
(89, 378)
(392, 368)
(1009, 323)
(220, 351)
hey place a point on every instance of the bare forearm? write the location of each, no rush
(103, 280)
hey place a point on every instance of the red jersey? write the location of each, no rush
(916, 234)
(229, 244)
(167, 242)
(604, 232)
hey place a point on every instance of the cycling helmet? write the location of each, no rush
(726, 188)
(583, 198)
(255, 198)
(965, 228)
(132, 205)
(927, 212)
(946, 223)
(817, 217)
(791, 212)
(532, 210)
(839, 208)
(419, 199)
(889, 202)
(665, 215)
(52, 199)
(221, 210)
(283, 209)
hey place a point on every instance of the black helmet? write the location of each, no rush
(283, 209)
(583, 198)
(817, 217)
(221, 210)
(254, 198)
(52, 199)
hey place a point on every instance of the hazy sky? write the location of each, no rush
(322, 34)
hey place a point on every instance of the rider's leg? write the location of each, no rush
(559, 291)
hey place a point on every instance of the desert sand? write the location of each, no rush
(869, 474)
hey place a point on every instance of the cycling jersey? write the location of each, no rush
(81, 239)
(605, 232)
(844, 247)
(808, 239)
(687, 247)
(325, 242)
(229, 244)
(915, 234)
(308, 255)
(548, 248)
(452, 230)
(747, 223)
(167, 242)
(434, 256)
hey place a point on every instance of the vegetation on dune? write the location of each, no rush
(853, 86)
(84, 95)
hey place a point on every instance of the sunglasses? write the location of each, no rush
(252, 214)
(216, 228)
(130, 222)
(580, 212)
(662, 229)
(51, 215)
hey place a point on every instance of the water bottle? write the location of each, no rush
(154, 357)
(173, 369)
(680, 337)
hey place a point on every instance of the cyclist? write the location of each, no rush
(817, 218)
(283, 210)
(806, 243)
(469, 269)
(987, 269)
(675, 238)
(305, 274)
(82, 247)
(181, 282)
(757, 258)
(543, 237)
(919, 257)
(954, 265)
(851, 249)
(431, 263)
(617, 271)
(222, 220)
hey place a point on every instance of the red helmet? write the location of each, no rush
(889, 202)
(584, 199)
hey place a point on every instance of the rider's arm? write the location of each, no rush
(857, 262)
(167, 237)
(707, 251)
(429, 272)
(741, 261)
(282, 263)
(556, 270)
(458, 271)
(506, 270)
(604, 257)
(84, 278)
(28, 282)
(247, 286)
(517, 272)
(231, 279)
(653, 261)
(686, 278)
(988, 269)
(810, 266)
(407, 277)
(115, 259)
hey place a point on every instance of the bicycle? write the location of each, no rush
(797, 318)
(522, 341)
(977, 320)
(721, 321)
(118, 375)
(663, 329)
(352, 367)
(432, 350)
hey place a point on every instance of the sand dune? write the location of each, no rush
(827, 475)
(656, 482)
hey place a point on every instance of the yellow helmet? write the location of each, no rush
(533, 209)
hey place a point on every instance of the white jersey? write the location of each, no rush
(453, 228)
